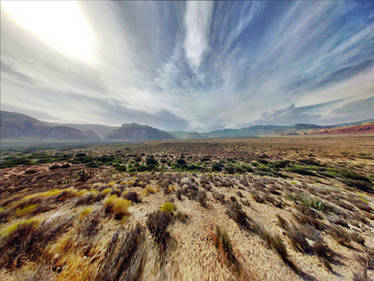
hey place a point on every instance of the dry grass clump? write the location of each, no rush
(181, 216)
(149, 190)
(362, 205)
(340, 235)
(257, 197)
(89, 224)
(106, 191)
(37, 202)
(225, 249)
(234, 211)
(5, 231)
(276, 202)
(89, 198)
(358, 239)
(219, 197)
(179, 194)
(326, 255)
(298, 241)
(202, 198)
(157, 223)
(116, 206)
(15, 241)
(168, 207)
(132, 196)
(360, 276)
(282, 223)
(24, 211)
(275, 242)
(308, 220)
(190, 191)
(124, 257)
(26, 240)
(86, 211)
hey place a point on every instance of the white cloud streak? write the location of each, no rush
(197, 23)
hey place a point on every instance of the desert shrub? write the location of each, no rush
(49, 193)
(276, 202)
(229, 168)
(14, 239)
(225, 249)
(14, 161)
(274, 190)
(132, 196)
(181, 163)
(326, 255)
(157, 223)
(235, 212)
(342, 204)
(207, 186)
(245, 202)
(116, 206)
(257, 197)
(89, 224)
(302, 170)
(307, 220)
(274, 242)
(183, 217)
(217, 166)
(282, 223)
(179, 194)
(360, 276)
(298, 241)
(151, 162)
(219, 197)
(308, 211)
(315, 203)
(191, 192)
(310, 162)
(340, 235)
(65, 195)
(338, 221)
(124, 256)
(4, 215)
(89, 198)
(202, 198)
(168, 207)
(84, 175)
(360, 184)
(362, 205)
(358, 238)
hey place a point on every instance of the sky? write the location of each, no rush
(195, 66)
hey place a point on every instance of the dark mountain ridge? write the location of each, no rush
(135, 132)
(19, 126)
(16, 126)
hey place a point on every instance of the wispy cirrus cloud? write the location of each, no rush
(197, 27)
(200, 65)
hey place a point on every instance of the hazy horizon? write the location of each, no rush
(193, 66)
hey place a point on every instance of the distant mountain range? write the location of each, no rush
(134, 132)
(16, 126)
(20, 126)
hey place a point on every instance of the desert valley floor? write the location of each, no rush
(272, 208)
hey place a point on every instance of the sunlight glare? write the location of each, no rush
(60, 24)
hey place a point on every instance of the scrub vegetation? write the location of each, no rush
(244, 209)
